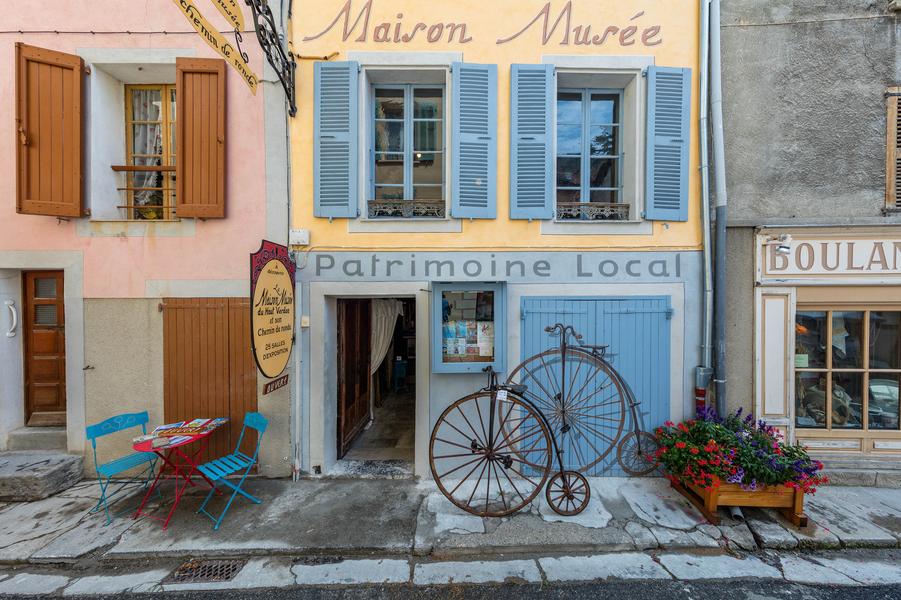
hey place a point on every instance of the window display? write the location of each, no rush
(847, 369)
(469, 323)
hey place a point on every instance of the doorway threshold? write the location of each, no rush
(371, 469)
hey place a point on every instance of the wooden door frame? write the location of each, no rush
(25, 324)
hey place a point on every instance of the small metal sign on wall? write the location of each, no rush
(272, 308)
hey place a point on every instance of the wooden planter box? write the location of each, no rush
(789, 501)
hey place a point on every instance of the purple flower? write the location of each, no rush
(737, 476)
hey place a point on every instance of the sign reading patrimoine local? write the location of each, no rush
(272, 307)
(833, 257)
(556, 23)
(514, 267)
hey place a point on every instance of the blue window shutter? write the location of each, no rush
(669, 111)
(531, 142)
(335, 139)
(474, 154)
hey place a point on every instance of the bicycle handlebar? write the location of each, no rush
(563, 329)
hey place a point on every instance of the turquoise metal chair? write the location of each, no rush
(146, 461)
(236, 463)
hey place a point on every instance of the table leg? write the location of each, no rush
(156, 483)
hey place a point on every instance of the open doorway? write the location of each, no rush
(376, 379)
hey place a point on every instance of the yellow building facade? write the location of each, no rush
(465, 174)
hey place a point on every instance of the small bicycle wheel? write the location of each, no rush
(490, 467)
(636, 453)
(586, 408)
(568, 493)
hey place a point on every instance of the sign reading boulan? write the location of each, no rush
(849, 258)
(272, 307)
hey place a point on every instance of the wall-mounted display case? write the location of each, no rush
(468, 327)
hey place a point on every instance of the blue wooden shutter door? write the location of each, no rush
(531, 141)
(638, 332)
(669, 111)
(474, 155)
(335, 139)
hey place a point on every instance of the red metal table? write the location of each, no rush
(177, 464)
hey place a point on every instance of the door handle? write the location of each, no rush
(13, 317)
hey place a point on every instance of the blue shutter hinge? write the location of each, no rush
(669, 314)
(522, 314)
(644, 72)
(644, 215)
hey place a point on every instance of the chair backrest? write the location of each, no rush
(255, 421)
(114, 424)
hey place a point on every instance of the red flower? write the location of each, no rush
(683, 428)
(668, 423)
(694, 450)
(680, 445)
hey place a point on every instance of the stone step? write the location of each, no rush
(28, 476)
(37, 438)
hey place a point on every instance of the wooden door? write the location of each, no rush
(208, 368)
(45, 349)
(354, 323)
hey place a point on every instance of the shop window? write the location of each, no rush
(847, 369)
(150, 152)
(589, 156)
(408, 152)
(468, 330)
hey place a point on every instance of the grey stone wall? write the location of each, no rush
(740, 319)
(804, 110)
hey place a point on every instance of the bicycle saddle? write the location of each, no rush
(518, 388)
(598, 348)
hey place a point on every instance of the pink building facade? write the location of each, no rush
(100, 311)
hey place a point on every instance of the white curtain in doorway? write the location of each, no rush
(384, 317)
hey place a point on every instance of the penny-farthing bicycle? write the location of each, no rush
(492, 452)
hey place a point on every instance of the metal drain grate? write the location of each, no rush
(205, 571)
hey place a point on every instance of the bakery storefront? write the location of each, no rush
(828, 338)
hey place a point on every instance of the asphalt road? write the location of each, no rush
(645, 590)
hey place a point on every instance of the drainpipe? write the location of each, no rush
(704, 372)
(719, 177)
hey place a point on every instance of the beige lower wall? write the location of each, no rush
(740, 319)
(124, 350)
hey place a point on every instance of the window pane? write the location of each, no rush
(569, 107)
(389, 168)
(45, 287)
(172, 104)
(603, 109)
(427, 192)
(810, 399)
(847, 400)
(427, 136)
(389, 193)
(467, 326)
(569, 139)
(389, 104)
(389, 136)
(569, 171)
(810, 339)
(146, 139)
(428, 168)
(172, 148)
(45, 314)
(847, 338)
(883, 401)
(603, 172)
(428, 104)
(146, 105)
(885, 340)
(603, 141)
(568, 195)
(608, 196)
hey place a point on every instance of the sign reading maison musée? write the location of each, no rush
(272, 307)
(820, 258)
(555, 23)
(515, 267)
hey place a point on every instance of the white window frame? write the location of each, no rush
(609, 72)
(401, 67)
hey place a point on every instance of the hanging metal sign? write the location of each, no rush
(272, 307)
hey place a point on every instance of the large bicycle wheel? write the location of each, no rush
(490, 469)
(586, 409)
